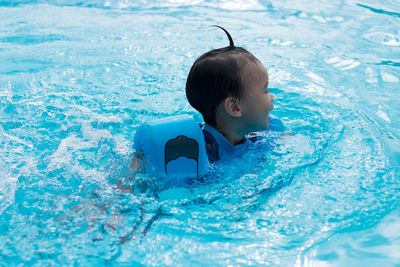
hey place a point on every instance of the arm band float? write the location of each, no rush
(173, 147)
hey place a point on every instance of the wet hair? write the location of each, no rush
(215, 75)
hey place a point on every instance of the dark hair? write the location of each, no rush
(216, 75)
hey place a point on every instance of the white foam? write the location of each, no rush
(387, 77)
(315, 77)
(383, 38)
(383, 115)
(372, 77)
(343, 64)
(64, 152)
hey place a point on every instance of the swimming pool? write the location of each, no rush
(77, 78)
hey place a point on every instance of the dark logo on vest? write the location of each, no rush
(181, 146)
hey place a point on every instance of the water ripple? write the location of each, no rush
(380, 11)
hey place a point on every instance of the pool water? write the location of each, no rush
(78, 77)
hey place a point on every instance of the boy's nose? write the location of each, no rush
(272, 98)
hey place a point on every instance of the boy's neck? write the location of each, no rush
(231, 135)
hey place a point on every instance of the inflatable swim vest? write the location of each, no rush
(175, 146)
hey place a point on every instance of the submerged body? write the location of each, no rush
(178, 147)
(219, 148)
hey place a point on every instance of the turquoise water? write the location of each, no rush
(77, 78)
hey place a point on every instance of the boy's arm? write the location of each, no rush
(137, 165)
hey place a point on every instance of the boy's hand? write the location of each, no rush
(137, 165)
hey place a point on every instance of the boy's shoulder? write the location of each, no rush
(218, 147)
(214, 144)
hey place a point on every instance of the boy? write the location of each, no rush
(229, 87)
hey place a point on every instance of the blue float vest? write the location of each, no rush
(276, 125)
(173, 147)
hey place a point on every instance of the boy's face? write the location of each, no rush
(256, 102)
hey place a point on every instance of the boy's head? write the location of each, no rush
(230, 86)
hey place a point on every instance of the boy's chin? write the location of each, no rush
(266, 126)
(266, 122)
(262, 127)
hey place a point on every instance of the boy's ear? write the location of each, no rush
(232, 106)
